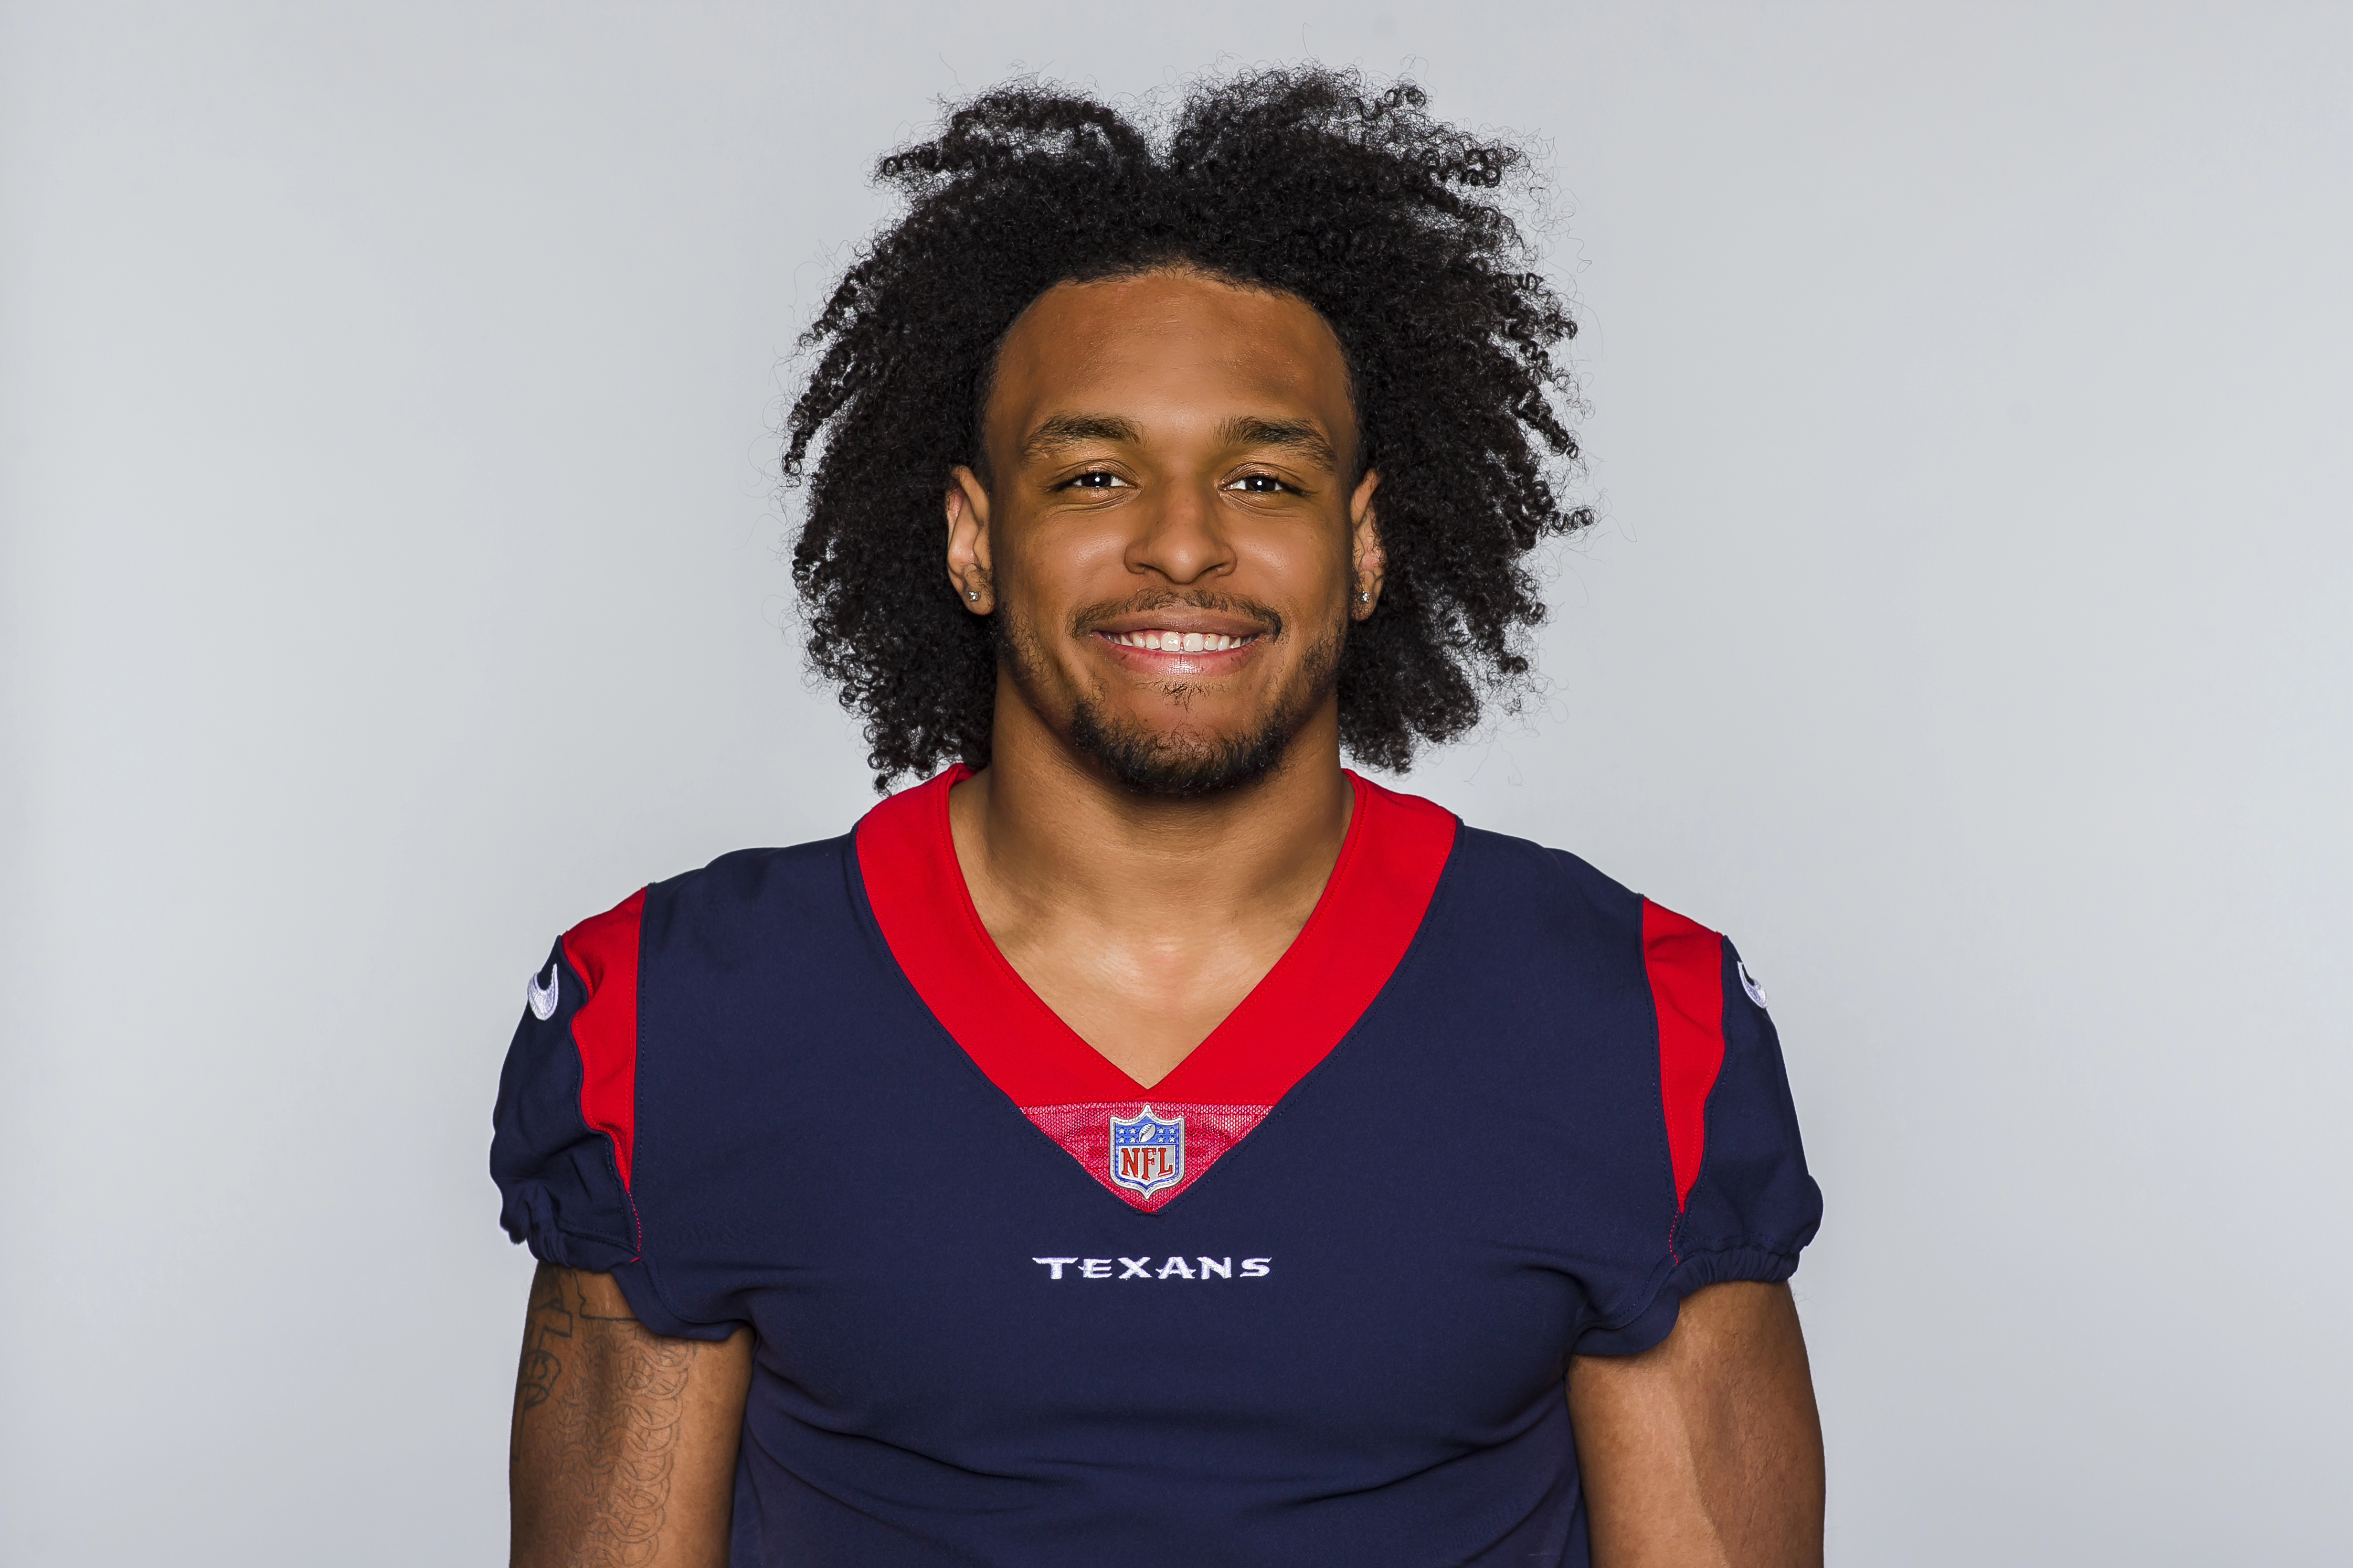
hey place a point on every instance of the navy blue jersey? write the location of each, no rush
(1309, 1298)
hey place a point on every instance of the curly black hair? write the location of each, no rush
(1307, 181)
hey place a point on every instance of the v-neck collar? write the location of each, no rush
(1146, 1145)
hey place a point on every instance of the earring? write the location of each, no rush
(1365, 599)
(972, 592)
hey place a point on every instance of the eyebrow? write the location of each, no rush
(1061, 430)
(1301, 435)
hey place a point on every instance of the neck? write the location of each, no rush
(1045, 833)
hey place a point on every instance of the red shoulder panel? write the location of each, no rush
(1685, 961)
(603, 951)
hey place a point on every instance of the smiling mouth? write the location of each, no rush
(1158, 641)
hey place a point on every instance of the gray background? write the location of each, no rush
(391, 578)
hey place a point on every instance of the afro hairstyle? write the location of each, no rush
(1305, 181)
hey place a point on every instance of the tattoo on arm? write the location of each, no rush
(549, 1320)
(598, 1404)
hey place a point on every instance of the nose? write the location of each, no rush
(1181, 536)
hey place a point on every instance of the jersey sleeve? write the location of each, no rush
(565, 1121)
(567, 1141)
(1744, 1205)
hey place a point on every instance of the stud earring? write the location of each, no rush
(972, 592)
(1365, 599)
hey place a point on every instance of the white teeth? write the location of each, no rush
(1173, 642)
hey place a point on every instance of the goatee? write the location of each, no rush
(1181, 764)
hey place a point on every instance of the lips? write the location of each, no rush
(1183, 637)
(1162, 653)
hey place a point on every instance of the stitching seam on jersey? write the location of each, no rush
(1657, 1073)
(611, 1145)
(579, 1057)
(638, 1131)
(637, 1081)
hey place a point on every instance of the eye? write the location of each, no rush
(1260, 485)
(1094, 480)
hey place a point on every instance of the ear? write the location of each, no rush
(968, 557)
(1370, 561)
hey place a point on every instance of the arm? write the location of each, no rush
(624, 1441)
(1704, 1451)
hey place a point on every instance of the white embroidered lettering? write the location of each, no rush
(1141, 1268)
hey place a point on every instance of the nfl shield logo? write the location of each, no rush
(1147, 1152)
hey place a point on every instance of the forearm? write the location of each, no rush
(624, 1441)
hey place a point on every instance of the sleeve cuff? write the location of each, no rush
(1656, 1319)
(636, 1278)
(533, 1216)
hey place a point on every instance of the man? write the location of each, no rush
(1148, 1139)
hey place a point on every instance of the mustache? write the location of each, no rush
(1266, 617)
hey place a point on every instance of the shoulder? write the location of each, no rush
(743, 901)
(751, 889)
(1539, 891)
(1537, 870)
(1520, 893)
(624, 1014)
(1683, 1107)
(1511, 905)
(1493, 878)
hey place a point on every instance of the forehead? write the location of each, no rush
(1174, 344)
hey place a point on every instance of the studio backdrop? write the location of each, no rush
(393, 573)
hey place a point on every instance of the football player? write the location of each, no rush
(1148, 1139)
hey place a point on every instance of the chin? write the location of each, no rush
(1180, 764)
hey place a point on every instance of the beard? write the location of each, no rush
(1180, 763)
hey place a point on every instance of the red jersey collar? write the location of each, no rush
(1395, 848)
